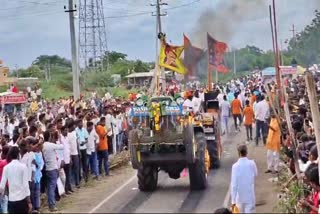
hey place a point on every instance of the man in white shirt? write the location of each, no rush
(196, 101)
(187, 104)
(10, 127)
(225, 112)
(262, 113)
(220, 96)
(50, 159)
(243, 175)
(110, 128)
(93, 140)
(201, 94)
(82, 136)
(28, 158)
(73, 144)
(16, 175)
(66, 158)
(48, 115)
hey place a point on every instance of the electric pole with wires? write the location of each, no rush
(72, 8)
(159, 73)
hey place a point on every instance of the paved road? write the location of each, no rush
(174, 196)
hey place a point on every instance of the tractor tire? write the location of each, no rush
(187, 140)
(197, 171)
(147, 178)
(214, 154)
(133, 139)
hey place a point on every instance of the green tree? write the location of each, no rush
(32, 71)
(139, 66)
(44, 61)
(115, 56)
(305, 47)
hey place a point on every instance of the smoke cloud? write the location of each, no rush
(225, 19)
(249, 19)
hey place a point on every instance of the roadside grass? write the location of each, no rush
(50, 90)
(60, 85)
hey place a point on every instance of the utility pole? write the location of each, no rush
(293, 30)
(158, 30)
(17, 70)
(76, 85)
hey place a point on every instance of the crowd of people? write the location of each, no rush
(57, 145)
(60, 143)
(253, 104)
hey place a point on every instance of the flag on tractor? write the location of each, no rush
(216, 51)
(170, 57)
(192, 56)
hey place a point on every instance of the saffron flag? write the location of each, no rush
(192, 56)
(170, 58)
(216, 52)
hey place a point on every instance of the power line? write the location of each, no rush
(29, 4)
(40, 13)
(6, 18)
(148, 13)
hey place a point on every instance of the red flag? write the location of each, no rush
(192, 55)
(216, 52)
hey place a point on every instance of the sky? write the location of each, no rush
(30, 28)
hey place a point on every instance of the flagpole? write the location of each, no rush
(209, 73)
(216, 77)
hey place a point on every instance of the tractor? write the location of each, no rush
(165, 138)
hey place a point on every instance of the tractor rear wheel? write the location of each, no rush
(147, 178)
(213, 149)
(197, 171)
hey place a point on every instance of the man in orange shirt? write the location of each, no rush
(102, 146)
(273, 145)
(248, 115)
(236, 109)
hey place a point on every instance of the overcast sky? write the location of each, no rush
(29, 28)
